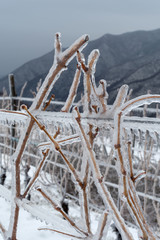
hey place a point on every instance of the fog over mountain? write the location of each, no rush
(132, 58)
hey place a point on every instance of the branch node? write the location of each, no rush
(117, 146)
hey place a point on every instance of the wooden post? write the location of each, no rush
(12, 95)
(12, 92)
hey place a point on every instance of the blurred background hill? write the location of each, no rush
(131, 58)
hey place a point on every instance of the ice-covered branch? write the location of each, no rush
(3, 230)
(102, 95)
(98, 179)
(61, 141)
(103, 226)
(59, 209)
(130, 160)
(63, 59)
(56, 145)
(82, 183)
(127, 182)
(36, 174)
(73, 90)
(89, 71)
(53, 75)
(120, 99)
(58, 48)
(48, 102)
(63, 233)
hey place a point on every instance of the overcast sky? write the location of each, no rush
(27, 27)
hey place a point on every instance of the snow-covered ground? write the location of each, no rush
(28, 226)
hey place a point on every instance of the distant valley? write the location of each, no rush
(131, 58)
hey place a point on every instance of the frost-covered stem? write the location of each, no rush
(59, 209)
(98, 179)
(156, 207)
(56, 69)
(120, 99)
(88, 71)
(87, 87)
(32, 181)
(147, 99)
(133, 202)
(73, 91)
(103, 226)
(71, 168)
(135, 211)
(147, 160)
(58, 47)
(85, 207)
(42, 94)
(102, 97)
(136, 203)
(83, 185)
(57, 133)
(91, 134)
(3, 230)
(130, 159)
(48, 102)
(16, 188)
(57, 147)
(63, 233)
(68, 139)
(59, 141)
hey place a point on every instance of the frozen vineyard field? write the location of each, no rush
(103, 160)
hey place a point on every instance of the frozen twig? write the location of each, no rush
(56, 144)
(32, 181)
(130, 160)
(63, 233)
(138, 176)
(58, 47)
(53, 75)
(103, 226)
(156, 205)
(48, 103)
(147, 158)
(82, 183)
(102, 94)
(98, 179)
(83, 194)
(63, 59)
(86, 174)
(3, 230)
(60, 141)
(59, 209)
(73, 90)
(89, 70)
(120, 99)
(129, 189)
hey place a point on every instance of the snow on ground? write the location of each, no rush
(28, 226)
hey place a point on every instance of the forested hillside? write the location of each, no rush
(131, 58)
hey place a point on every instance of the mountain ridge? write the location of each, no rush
(131, 58)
